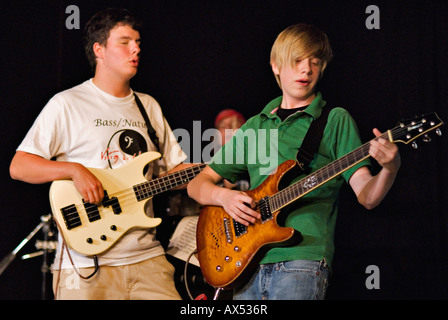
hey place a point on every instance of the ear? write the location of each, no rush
(275, 69)
(98, 50)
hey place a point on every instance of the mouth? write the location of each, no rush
(303, 82)
(134, 62)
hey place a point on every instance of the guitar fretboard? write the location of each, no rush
(319, 177)
(150, 188)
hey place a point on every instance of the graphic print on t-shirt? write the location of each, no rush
(125, 144)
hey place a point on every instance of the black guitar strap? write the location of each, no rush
(312, 139)
(151, 132)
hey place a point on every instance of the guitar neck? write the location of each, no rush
(321, 176)
(153, 187)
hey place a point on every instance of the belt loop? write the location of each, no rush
(323, 263)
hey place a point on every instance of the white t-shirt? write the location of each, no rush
(86, 125)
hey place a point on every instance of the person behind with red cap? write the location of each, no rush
(227, 122)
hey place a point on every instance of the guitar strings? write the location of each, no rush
(285, 193)
(127, 195)
(288, 194)
(222, 229)
(359, 154)
(148, 188)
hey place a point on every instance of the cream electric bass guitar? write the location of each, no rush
(228, 251)
(92, 229)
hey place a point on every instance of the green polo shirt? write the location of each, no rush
(264, 142)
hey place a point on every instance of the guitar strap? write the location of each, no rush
(151, 132)
(313, 137)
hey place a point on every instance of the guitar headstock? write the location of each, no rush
(409, 130)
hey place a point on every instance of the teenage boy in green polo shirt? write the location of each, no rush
(299, 56)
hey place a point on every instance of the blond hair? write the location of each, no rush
(298, 42)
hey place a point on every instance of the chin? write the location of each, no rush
(132, 74)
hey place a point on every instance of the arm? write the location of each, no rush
(371, 190)
(237, 204)
(34, 169)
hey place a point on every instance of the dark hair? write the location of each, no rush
(99, 25)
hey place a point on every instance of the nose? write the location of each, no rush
(304, 66)
(136, 48)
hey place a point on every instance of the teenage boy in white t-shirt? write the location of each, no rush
(97, 124)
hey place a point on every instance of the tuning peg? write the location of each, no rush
(426, 138)
(439, 132)
(414, 145)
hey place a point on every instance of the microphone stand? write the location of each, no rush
(6, 261)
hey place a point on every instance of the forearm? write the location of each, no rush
(369, 189)
(376, 188)
(204, 190)
(35, 169)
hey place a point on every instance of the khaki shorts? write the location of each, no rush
(147, 280)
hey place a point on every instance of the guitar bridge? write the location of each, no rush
(228, 231)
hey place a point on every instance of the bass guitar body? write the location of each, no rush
(92, 229)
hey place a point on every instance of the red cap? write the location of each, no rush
(228, 113)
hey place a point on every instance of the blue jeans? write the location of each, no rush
(290, 280)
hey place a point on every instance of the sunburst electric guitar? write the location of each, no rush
(92, 229)
(228, 250)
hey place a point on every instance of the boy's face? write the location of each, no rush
(121, 54)
(299, 81)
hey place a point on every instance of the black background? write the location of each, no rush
(199, 57)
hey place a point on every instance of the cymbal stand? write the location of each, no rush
(217, 293)
(6, 261)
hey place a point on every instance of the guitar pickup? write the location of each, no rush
(92, 211)
(71, 217)
(265, 210)
(239, 228)
(116, 208)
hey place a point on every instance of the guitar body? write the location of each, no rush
(225, 256)
(94, 237)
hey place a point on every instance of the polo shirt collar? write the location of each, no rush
(314, 109)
